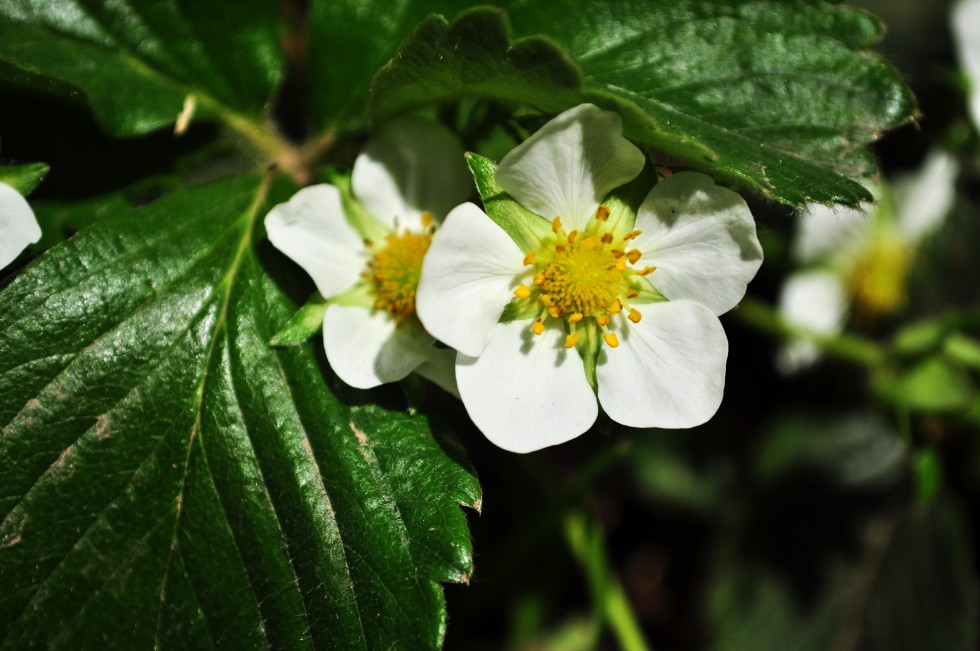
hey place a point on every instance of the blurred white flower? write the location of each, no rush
(858, 259)
(367, 259)
(966, 31)
(18, 226)
(530, 325)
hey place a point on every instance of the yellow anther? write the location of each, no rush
(522, 291)
(602, 320)
(602, 214)
(556, 224)
(554, 311)
(546, 299)
(620, 264)
(646, 271)
(616, 307)
(539, 279)
(632, 235)
(572, 236)
(571, 340)
(611, 339)
(575, 318)
(529, 258)
(633, 256)
(632, 293)
(607, 238)
(559, 248)
(427, 219)
(618, 253)
(537, 327)
(634, 315)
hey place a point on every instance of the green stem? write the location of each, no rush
(585, 540)
(849, 347)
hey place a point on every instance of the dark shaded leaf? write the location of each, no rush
(137, 60)
(169, 480)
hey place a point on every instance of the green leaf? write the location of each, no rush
(474, 55)
(349, 40)
(23, 178)
(137, 60)
(935, 384)
(777, 96)
(169, 480)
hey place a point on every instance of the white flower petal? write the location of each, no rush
(832, 231)
(966, 30)
(468, 277)
(440, 367)
(923, 199)
(365, 348)
(702, 240)
(18, 226)
(526, 392)
(412, 165)
(669, 369)
(815, 301)
(568, 166)
(311, 229)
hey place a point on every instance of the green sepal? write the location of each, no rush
(524, 227)
(307, 321)
(358, 217)
(23, 178)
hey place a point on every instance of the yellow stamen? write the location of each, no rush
(554, 311)
(395, 270)
(522, 291)
(616, 307)
(632, 235)
(633, 256)
(575, 318)
(602, 214)
(538, 327)
(618, 253)
(620, 264)
(539, 279)
(427, 219)
(571, 340)
(607, 238)
(547, 300)
(646, 271)
(634, 315)
(572, 236)
(611, 339)
(529, 258)
(632, 293)
(602, 320)
(556, 224)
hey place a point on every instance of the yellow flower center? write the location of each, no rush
(877, 282)
(395, 270)
(584, 276)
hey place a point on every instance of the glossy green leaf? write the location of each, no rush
(349, 40)
(169, 480)
(474, 55)
(776, 96)
(137, 60)
(23, 178)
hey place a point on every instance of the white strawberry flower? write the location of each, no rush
(18, 226)
(857, 260)
(366, 257)
(597, 305)
(965, 20)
